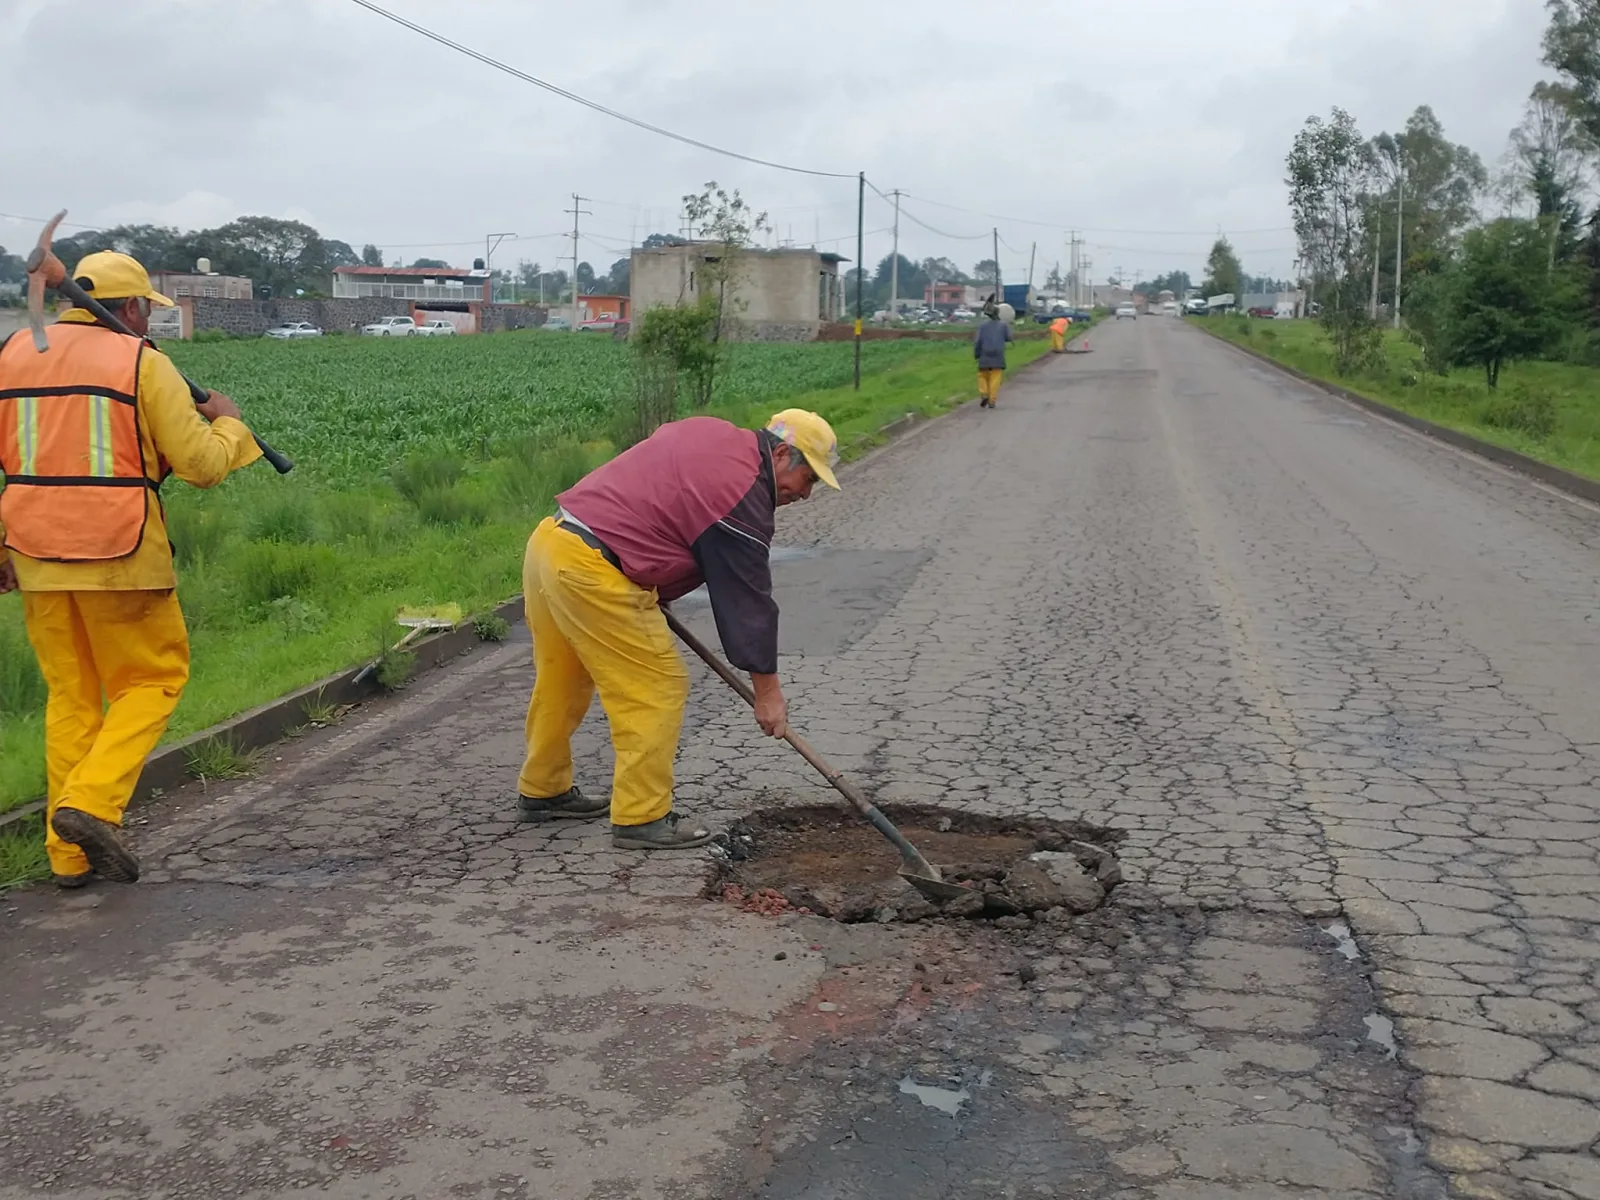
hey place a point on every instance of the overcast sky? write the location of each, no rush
(1149, 124)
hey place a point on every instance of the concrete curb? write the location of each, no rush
(1566, 481)
(268, 723)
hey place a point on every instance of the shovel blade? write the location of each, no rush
(931, 886)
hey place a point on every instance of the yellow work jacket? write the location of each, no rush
(173, 436)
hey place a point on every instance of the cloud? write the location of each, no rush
(1162, 116)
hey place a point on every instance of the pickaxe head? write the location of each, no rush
(45, 270)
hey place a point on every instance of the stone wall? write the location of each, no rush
(497, 318)
(247, 317)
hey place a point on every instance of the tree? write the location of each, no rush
(1572, 47)
(12, 268)
(1502, 306)
(1053, 282)
(984, 272)
(586, 279)
(656, 240)
(1223, 273)
(1547, 162)
(433, 264)
(281, 255)
(371, 256)
(727, 224)
(1330, 166)
(340, 254)
(912, 280)
(617, 280)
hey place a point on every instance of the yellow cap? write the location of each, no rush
(812, 436)
(107, 275)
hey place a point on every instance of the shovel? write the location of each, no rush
(914, 868)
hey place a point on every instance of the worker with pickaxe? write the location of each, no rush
(92, 418)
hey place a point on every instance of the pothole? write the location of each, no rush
(827, 861)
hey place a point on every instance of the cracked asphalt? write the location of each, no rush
(1331, 679)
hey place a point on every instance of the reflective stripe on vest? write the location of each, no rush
(75, 479)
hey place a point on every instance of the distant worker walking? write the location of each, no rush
(691, 504)
(1058, 334)
(88, 431)
(989, 348)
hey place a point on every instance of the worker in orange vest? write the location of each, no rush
(88, 430)
(1058, 334)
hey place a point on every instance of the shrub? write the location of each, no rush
(1527, 410)
(426, 470)
(268, 571)
(286, 519)
(198, 532)
(491, 627)
(22, 689)
(451, 505)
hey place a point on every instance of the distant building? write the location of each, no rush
(779, 295)
(187, 285)
(945, 295)
(602, 308)
(432, 286)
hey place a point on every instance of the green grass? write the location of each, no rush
(285, 579)
(1460, 400)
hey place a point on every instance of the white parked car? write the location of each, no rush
(1127, 310)
(390, 327)
(436, 328)
(294, 329)
(963, 314)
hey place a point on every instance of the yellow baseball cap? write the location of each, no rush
(812, 436)
(107, 275)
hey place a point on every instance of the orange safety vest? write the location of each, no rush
(69, 445)
(1059, 325)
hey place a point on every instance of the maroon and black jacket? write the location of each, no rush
(694, 503)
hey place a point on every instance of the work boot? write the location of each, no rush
(100, 842)
(572, 803)
(668, 833)
(71, 883)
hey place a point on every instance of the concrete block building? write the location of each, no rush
(782, 295)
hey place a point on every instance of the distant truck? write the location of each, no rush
(1019, 296)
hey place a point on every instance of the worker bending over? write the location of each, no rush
(1058, 334)
(88, 430)
(989, 348)
(693, 503)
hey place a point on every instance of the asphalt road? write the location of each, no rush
(1324, 673)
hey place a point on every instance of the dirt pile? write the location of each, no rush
(828, 862)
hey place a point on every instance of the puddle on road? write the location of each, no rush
(1380, 1032)
(1344, 939)
(946, 1100)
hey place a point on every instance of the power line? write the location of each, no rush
(1091, 229)
(586, 102)
(960, 237)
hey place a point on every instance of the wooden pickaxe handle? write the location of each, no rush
(45, 270)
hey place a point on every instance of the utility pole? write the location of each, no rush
(999, 289)
(1399, 232)
(894, 260)
(488, 258)
(1377, 253)
(1031, 252)
(576, 210)
(861, 269)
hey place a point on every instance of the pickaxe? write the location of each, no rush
(45, 270)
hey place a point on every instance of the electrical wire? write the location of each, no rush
(591, 104)
(1088, 229)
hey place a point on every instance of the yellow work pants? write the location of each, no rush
(115, 664)
(595, 629)
(989, 384)
(1058, 341)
